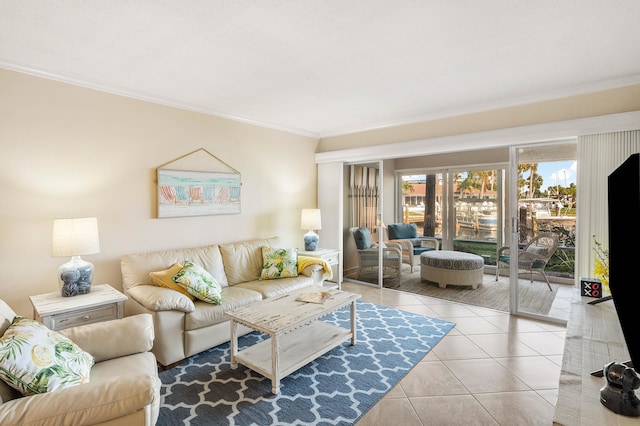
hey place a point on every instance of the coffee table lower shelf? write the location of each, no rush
(292, 350)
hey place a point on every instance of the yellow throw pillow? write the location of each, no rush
(164, 279)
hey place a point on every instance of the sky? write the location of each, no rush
(564, 171)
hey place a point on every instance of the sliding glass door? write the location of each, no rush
(542, 227)
(462, 208)
(366, 258)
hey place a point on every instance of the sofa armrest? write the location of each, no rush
(406, 245)
(393, 245)
(429, 241)
(156, 298)
(503, 251)
(89, 403)
(310, 269)
(115, 338)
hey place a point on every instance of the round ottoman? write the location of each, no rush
(451, 267)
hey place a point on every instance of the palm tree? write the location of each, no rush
(466, 183)
(532, 181)
(406, 188)
(532, 168)
(484, 177)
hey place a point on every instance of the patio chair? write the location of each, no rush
(533, 257)
(368, 253)
(406, 234)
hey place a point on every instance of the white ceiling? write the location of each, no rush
(328, 67)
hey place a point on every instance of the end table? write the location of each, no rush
(332, 257)
(102, 303)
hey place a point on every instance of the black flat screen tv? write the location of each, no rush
(624, 255)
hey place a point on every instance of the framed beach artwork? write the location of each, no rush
(197, 193)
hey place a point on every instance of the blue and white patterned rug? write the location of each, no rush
(336, 389)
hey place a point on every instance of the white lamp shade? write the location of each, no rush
(310, 219)
(75, 237)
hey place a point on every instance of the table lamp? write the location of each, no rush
(310, 220)
(75, 237)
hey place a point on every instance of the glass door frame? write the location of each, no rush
(448, 210)
(511, 232)
(379, 222)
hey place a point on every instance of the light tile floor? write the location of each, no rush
(491, 369)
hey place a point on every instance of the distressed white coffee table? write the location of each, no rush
(296, 337)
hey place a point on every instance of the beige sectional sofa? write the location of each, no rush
(184, 327)
(124, 388)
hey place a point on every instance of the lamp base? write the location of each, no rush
(75, 277)
(311, 241)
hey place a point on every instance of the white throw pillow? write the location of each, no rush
(279, 263)
(199, 283)
(34, 359)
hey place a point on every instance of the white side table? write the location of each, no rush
(332, 257)
(102, 303)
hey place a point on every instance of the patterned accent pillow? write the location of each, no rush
(34, 359)
(165, 279)
(279, 263)
(199, 283)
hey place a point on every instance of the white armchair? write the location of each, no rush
(124, 388)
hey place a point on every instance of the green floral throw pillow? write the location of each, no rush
(34, 359)
(279, 263)
(198, 282)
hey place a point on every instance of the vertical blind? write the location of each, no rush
(598, 156)
(364, 196)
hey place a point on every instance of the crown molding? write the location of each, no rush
(102, 87)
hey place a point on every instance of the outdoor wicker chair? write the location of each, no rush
(368, 253)
(533, 257)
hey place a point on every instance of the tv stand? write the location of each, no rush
(593, 339)
(602, 299)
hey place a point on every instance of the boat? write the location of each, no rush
(478, 221)
(487, 222)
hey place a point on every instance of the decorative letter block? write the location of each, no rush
(590, 287)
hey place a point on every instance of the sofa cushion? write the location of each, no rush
(34, 359)
(243, 260)
(205, 315)
(403, 231)
(198, 282)
(136, 267)
(155, 299)
(419, 250)
(164, 279)
(279, 263)
(273, 288)
(7, 393)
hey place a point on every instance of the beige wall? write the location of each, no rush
(73, 152)
(595, 104)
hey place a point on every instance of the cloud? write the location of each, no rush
(564, 176)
